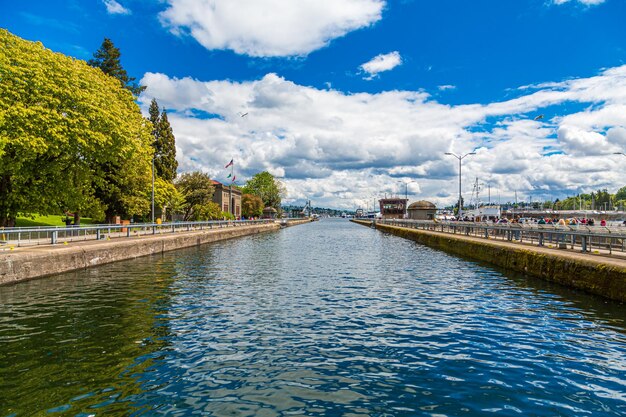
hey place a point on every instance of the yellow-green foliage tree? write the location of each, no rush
(167, 198)
(251, 205)
(71, 138)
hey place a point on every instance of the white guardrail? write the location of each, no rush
(29, 236)
(577, 236)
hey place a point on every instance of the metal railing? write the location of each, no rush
(599, 239)
(30, 236)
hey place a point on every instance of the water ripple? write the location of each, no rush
(323, 319)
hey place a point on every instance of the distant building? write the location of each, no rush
(393, 208)
(228, 198)
(422, 210)
(269, 213)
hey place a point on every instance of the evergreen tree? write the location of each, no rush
(154, 116)
(107, 58)
(165, 163)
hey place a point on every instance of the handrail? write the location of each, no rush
(583, 236)
(24, 236)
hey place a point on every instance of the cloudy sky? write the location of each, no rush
(349, 100)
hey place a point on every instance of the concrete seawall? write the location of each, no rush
(295, 222)
(597, 275)
(35, 262)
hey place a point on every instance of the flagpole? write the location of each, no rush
(230, 188)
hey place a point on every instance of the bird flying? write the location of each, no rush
(539, 117)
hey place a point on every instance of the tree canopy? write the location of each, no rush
(268, 188)
(251, 205)
(197, 189)
(165, 164)
(70, 137)
(107, 58)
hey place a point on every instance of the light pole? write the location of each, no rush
(460, 158)
(406, 188)
(406, 195)
(152, 189)
(619, 153)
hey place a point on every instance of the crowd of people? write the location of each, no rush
(547, 220)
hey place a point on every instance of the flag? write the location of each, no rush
(229, 164)
(234, 178)
(229, 175)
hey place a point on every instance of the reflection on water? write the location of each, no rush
(328, 318)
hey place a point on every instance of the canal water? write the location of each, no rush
(326, 319)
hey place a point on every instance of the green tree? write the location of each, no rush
(197, 189)
(154, 114)
(167, 198)
(107, 58)
(213, 211)
(251, 205)
(265, 186)
(621, 194)
(165, 164)
(70, 137)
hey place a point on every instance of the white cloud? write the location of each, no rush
(446, 87)
(585, 2)
(381, 63)
(113, 7)
(269, 28)
(341, 149)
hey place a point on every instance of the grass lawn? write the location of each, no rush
(49, 220)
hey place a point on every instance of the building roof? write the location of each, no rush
(422, 205)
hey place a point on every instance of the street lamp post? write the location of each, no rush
(619, 153)
(152, 190)
(406, 194)
(406, 188)
(460, 158)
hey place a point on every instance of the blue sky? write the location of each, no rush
(349, 99)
